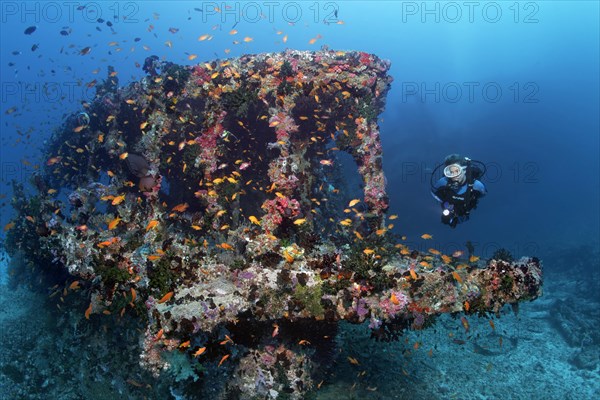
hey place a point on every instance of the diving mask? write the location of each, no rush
(455, 171)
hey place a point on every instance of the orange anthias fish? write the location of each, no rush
(225, 357)
(88, 311)
(199, 351)
(118, 200)
(413, 274)
(227, 340)
(353, 360)
(108, 242)
(113, 224)
(346, 222)
(465, 324)
(53, 160)
(166, 298)
(457, 276)
(152, 224)
(180, 207)
(353, 202)
(226, 246)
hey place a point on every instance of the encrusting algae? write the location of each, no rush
(213, 198)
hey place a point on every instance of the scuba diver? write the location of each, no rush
(459, 189)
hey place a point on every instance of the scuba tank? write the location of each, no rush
(470, 182)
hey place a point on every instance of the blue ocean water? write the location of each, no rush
(512, 84)
(3, 269)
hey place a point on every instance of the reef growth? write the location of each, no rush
(211, 202)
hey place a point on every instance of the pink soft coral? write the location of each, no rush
(278, 208)
(283, 122)
(394, 303)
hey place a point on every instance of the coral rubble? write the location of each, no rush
(209, 202)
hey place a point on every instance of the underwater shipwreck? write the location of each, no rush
(213, 204)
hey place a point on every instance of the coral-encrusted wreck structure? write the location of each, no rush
(214, 203)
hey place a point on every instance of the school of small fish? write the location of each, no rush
(233, 204)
